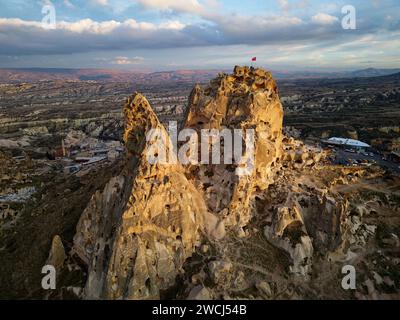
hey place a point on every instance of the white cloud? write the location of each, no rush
(260, 24)
(46, 2)
(94, 27)
(174, 25)
(285, 5)
(68, 4)
(102, 3)
(29, 37)
(324, 19)
(22, 37)
(127, 61)
(4, 22)
(186, 6)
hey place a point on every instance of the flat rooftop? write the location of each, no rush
(347, 142)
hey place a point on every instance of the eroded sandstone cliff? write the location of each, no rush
(288, 217)
(137, 233)
(247, 99)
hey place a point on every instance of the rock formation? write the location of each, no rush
(247, 99)
(137, 234)
(57, 254)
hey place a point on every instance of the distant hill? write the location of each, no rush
(364, 73)
(39, 74)
(42, 74)
(13, 75)
(372, 72)
(395, 76)
(306, 75)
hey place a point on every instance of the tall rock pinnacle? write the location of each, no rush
(136, 235)
(247, 99)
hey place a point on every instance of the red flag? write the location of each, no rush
(254, 59)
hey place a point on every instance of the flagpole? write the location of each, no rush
(254, 59)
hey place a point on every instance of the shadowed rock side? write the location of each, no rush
(247, 99)
(136, 234)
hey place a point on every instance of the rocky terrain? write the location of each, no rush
(270, 234)
(365, 109)
(285, 230)
(104, 75)
(21, 75)
(39, 113)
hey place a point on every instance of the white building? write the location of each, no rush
(347, 143)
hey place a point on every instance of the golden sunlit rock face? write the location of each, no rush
(290, 205)
(137, 233)
(246, 99)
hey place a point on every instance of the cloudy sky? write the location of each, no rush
(199, 34)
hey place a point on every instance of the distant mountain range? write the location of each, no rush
(43, 74)
(394, 76)
(13, 75)
(370, 72)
